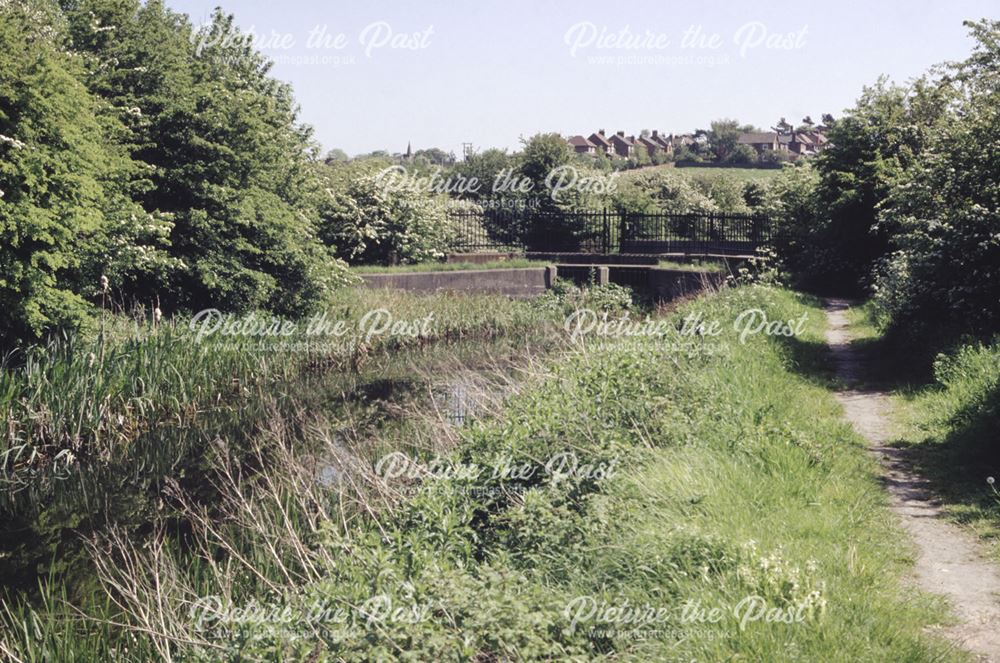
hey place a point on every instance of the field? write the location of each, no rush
(737, 174)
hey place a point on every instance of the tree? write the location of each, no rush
(943, 276)
(871, 146)
(225, 160)
(541, 155)
(545, 221)
(436, 156)
(660, 191)
(336, 155)
(370, 221)
(481, 171)
(782, 127)
(53, 163)
(722, 137)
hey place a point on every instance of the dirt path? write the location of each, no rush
(949, 560)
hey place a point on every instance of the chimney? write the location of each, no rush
(655, 133)
(600, 132)
(621, 134)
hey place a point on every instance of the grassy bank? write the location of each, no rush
(692, 476)
(741, 175)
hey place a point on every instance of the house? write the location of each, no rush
(581, 145)
(662, 141)
(794, 143)
(763, 141)
(600, 141)
(683, 140)
(624, 146)
(647, 143)
(819, 139)
(655, 143)
(800, 144)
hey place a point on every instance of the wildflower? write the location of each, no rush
(18, 145)
(157, 314)
(104, 283)
(990, 480)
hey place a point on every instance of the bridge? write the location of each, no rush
(610, 232)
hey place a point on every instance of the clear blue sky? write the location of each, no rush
(490, 72)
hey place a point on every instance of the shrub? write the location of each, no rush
(944, 277)
(659, 190)
(743, 155)
(369, 220)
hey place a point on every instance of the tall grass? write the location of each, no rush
(733, 476)
(92, 428)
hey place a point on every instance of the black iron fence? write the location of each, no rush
(609, 231)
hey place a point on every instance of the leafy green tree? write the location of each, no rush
(53, 162)
(481, 171)
(743, 155)
(336, 155)
(792, 204)
(541, 155)
(722, 137)
(436, 156)
(943, 277)
(660, 191)
(223, 157)
(871, 146)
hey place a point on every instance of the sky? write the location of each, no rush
(381, 74)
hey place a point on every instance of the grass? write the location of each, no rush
(740, 174)
(707, 173)
(702, 478)
(949, 428)
(513, 263)
(693, 266)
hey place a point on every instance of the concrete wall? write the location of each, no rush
(660, 284)
(521, 282)
(595, 258)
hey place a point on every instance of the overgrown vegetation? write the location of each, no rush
(172, 494)
(93, 427)
(903, 202)
(499, 565)
(161, 157)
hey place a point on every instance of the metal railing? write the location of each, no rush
(608, 231)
